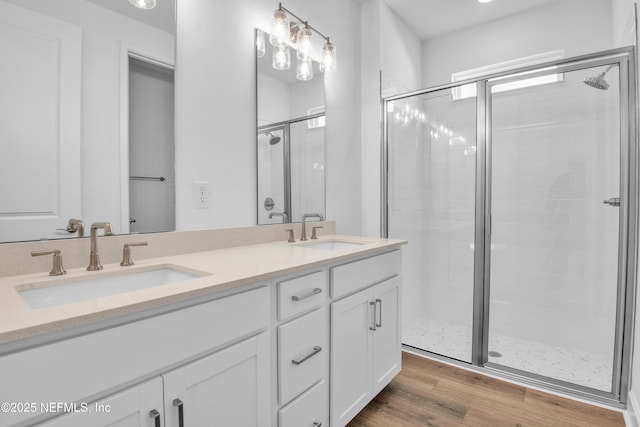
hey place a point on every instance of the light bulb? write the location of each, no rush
(281, 57)
(261, 49)
(304, 42)
(143, 4)
(328, 63)
(279, 29)
(304, 70)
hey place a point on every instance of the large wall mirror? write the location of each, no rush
(86, 117)
(290, 135)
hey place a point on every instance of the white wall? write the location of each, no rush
(571, 25)
(391, 48)
(103, 34)
(215, 120)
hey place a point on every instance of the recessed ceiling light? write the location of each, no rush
(484, 1)
(143, 4)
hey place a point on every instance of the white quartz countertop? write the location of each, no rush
(223, 269)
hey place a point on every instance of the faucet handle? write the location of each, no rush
(292, 239)
(313, 231)
(126, 253)
(57, 269)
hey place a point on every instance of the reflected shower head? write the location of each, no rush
(598, 81)
(273, 139)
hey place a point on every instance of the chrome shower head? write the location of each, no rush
(273, 139)
(598, 81)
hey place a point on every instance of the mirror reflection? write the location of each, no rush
(290, 135)
(66, 111)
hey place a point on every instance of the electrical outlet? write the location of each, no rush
(201, 194)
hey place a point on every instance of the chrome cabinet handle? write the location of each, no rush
(311, 293)
(316, 349)
(156, 417)
(614, 201)
(379, 323)
(180, 405)
(317, 424)
(374, 305)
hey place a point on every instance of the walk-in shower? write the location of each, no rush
(515, 265)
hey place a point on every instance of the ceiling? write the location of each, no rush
(429, 19)
(161, 17)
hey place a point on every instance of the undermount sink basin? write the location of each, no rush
(64, 291)
(330, 245)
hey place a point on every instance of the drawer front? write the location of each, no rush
(309, 410)
(356, 275)
(303, 353)
(301, 294)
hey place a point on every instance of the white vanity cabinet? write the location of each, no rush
(215, 356)
(365, 333)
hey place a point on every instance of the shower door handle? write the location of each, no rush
(614, 201)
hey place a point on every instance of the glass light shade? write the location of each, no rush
(279, 29)
(143, 4)
(261, 48)
(281, 57)
(328, 63)
(304, 42)
(304, 71)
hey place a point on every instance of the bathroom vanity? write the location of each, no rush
(273, 334)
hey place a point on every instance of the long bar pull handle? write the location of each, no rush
(180, 405)
(156, 417)
(374, 305)
(311, 293)
(614, 201)
(316, 349)
(379, 322)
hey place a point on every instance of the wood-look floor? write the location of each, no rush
(430, 393)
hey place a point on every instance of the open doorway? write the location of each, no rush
(151, 147)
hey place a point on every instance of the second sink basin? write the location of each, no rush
(65, 291)
(330, 245)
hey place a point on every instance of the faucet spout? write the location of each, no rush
(284, 215)
(94, 256)
(303, 236)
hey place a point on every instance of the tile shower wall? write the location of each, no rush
(554, 242)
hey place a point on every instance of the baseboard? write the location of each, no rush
(631, 414)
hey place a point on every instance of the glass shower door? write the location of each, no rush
(431, 203)
(555, 176)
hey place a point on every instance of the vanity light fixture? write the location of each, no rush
(143, 4)
(261, 48)
(298, 32)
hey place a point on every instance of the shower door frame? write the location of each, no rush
(627, 239)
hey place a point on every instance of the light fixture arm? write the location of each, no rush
(306, 23)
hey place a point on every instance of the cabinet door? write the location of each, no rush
(351, 347)
(387, 347)
(228, 388)
(129, 408)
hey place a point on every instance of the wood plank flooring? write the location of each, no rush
(430, 393)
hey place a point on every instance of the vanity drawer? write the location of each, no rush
(348, 278)
(303, 353)
(309, 410)
(301, 294)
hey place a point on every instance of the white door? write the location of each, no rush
(229, 388)
(138, 406)
(40, 83)
(387, 347)
(351, 347)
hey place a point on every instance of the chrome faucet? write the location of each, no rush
(303, 235)
(285, 217)
(94, 256)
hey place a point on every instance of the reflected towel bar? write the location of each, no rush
(147, 178)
